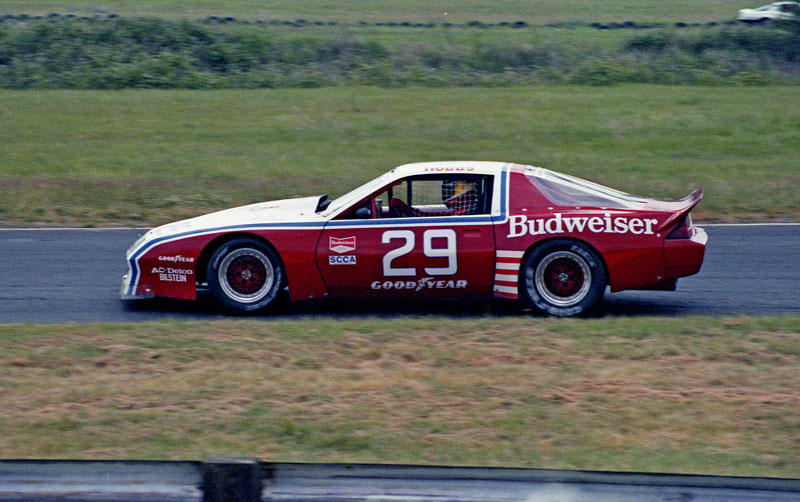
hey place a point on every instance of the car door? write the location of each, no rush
(415, 237)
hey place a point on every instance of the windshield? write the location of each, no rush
(357, 194)
(565, 190)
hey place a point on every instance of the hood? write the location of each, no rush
(302, 209)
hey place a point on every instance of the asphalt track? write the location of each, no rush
(73, 275)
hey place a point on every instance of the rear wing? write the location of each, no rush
(680, 208)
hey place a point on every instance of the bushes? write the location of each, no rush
(601, 72)
(62, 52)
(113, 53)
(748, 55)
(497, 58)
(778, 42)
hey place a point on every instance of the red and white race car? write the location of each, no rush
(439, 229)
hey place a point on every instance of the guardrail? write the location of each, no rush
(227, 479)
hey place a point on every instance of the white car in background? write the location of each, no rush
(777, 10)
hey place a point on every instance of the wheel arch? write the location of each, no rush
(542, 242)
(211, 247)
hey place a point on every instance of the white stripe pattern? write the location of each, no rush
(505, 278)
(510, 254)
(507, 266)
(505, 289)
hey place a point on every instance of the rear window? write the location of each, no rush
(565, 190)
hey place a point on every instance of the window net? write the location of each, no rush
(444, 198)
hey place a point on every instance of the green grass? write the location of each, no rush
(147, 157)
(714, 396)
(538, 11)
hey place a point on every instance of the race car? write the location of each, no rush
(434, 229)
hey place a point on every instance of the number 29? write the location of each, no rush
(449, 251)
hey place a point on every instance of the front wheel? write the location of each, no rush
(244, 275)
(563, 278)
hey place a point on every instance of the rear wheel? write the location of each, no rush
(563, 278)
(244, 275)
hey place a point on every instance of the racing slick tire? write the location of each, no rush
(244, 275)
(563, 278)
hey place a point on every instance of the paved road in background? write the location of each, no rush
(53, 276)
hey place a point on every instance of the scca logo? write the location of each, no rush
(342, 260)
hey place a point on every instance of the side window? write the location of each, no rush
(390, 203)
(428, 196)
(456, 195)
(397, 201)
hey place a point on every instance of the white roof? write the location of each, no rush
(475, 166)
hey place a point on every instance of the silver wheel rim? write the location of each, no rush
(237, 275)
(563, 278)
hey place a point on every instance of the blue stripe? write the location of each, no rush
(410, 221)
(503, 184)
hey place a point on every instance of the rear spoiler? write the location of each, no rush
(680, 208)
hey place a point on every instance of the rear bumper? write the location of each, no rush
(683, 257)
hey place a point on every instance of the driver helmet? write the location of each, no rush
(460, 196)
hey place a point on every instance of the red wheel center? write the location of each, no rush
(246, 275)
(563, 277)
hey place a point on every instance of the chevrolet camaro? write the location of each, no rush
(437, 229)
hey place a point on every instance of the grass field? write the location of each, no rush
(702, 395)
(147, 157)
(538, 11)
